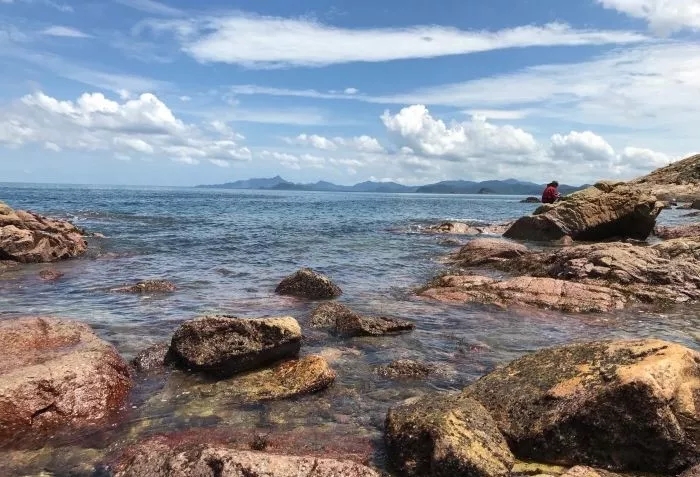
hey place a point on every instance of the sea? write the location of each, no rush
(226, 250)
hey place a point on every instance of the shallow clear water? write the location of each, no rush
(227, 250)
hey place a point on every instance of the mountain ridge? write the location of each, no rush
(500, 187)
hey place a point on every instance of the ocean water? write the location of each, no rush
(227, 250)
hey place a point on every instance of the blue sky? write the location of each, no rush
(169, 93)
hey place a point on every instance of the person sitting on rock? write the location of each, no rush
(551, 194)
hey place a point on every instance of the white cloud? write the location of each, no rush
(358, 144)
(64, 32)
(414, 127)
(50, 146)
(585, 146)
(185, 99)
(497, 114)
(264, 42)
(135, 127)
(351, 91)
(663, 16)
(49, 3)
(151, 6)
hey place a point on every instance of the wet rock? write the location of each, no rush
(152, 359)
(488, 250)
(446, 435)
(546, 293)
(584, 471)
(678, 181)
(326, 314)
(457, 228)
(695, 204)
(606, 210)
(226, 345)
(308, 284)
(27, 237)
(56, 374)
(530, 200)
(679, 231)
(50, 275)
(622, 405)
(6, 265)
(406, 368)
(148, 286)
(669, 271)
(692, 471)
(306, 375)
(356, 325)
(159, 458)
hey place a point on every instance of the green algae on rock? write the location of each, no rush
(446, 435)
(622, 405)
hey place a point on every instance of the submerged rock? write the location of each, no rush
(292, 378)
(356, 325)
(678, 231)
(446, 435)
(456, 228)
(622, 405)
(148, 286)
(488, 250)
(307, 283)
(226, 345)
(153, 358)
(56, 374)
(547, 293)
(406, 368)
(159, 458)
(604, 211)
(326, 314)
(531, 200)
(50, 275)
(27, 237)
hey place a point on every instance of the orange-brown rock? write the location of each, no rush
(56, 374)
(27, 237)
(621, 405)
(483, 251)
(307, 283)
(678, 231)
(679, 180)
(606, 210)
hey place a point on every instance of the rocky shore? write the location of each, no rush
(585, 409)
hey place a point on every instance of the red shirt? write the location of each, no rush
(550, 195)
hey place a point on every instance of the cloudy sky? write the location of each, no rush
(149, 92)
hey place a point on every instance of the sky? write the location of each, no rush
(147, 92)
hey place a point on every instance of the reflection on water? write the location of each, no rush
(226, 251)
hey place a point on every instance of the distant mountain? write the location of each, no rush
(505, 187)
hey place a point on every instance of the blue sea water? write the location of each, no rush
(227, 250)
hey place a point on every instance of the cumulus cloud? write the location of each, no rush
(142, 126)
(362, 143)
(663, 16)
(254, 41)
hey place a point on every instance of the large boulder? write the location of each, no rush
(603, 211)
(546, 293)
(225, 345)
(158, 457)
(27, 237)
(679, 180)
(307, 283)
(56, 374)
(622, 405)
(444, 436)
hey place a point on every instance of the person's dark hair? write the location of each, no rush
(553, 183)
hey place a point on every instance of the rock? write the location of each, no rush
(679, 231)
(603, 211)
(457, 228)
(56, 374)
(692, 471)
(6, 265)
(151, 359)
(678, 181)
(50, 275)
(695, 204)
(622, 405)
(308, 284)
(227, 345)
(666, 271)
(531, 200)
(446, 435)
(306, 375)
(356, 325)
(583, 471)
(406, 368)
(27, 237)
(148, 286)
(488, 250)
(325, 314)
(547, 293)
(692, 214)
(157, 457)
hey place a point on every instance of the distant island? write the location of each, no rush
(504, 187)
